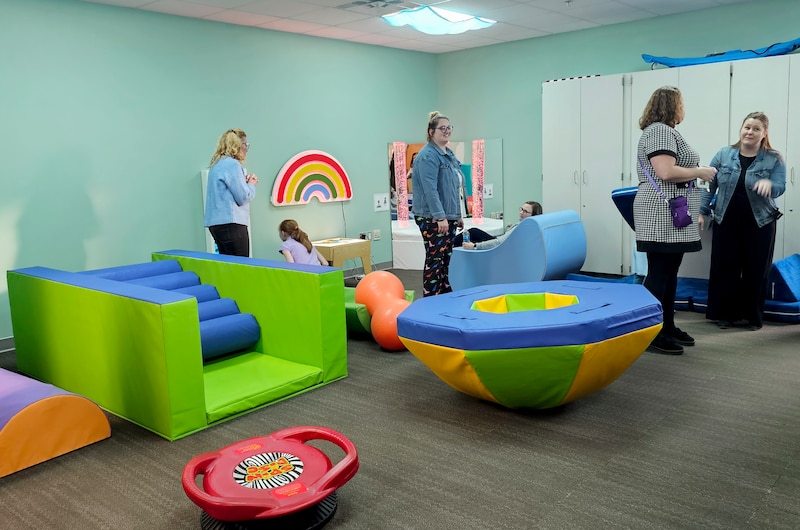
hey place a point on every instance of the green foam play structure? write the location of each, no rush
(136, 350)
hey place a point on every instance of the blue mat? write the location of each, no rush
(779, 48)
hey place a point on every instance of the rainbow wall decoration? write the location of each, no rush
(311, 174)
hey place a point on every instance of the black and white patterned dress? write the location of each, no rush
(654, 229)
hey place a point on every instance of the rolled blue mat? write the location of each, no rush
(228, 334)
(139, 270)
(202, 292)
(217, 308)
(169, 282)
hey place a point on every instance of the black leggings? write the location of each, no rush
(662, 282)
(476, 235)
(232, 239)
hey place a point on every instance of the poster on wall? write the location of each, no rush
(311, 174)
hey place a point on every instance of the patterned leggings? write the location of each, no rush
(438, 248)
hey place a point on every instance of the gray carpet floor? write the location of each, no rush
(710, 439)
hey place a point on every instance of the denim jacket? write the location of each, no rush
(437, 179)
(767, 165)
(228, 194)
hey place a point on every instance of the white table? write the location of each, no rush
(408, 252)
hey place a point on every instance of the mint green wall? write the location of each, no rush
(107, 116)
(495, 91)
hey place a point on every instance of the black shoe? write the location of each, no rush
(681, 337)
(754, 327)
(724, 324)
(741, 323)
(666, 345)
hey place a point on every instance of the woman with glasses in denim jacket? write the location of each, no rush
(437, 184)
(228, 194)
(751, 176)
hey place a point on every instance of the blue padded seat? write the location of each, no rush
(542, 247)
(168, 282)
(125, 273)
(228, 334)
(217, 308)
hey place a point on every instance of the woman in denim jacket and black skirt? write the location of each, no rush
(437, 212)
(751, 175)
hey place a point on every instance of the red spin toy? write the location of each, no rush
(269, 476)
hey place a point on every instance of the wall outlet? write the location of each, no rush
(376, 235)
(365, 235)
(488, 191)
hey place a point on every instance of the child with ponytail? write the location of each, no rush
(296, 246)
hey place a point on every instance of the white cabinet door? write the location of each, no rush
(791, 203)
(561, 148)
(763, 85)
(601, 143)
(582, 147)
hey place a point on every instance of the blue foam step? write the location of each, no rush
(168, 282)
(228, 334)
(217, 308)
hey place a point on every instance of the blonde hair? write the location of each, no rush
(433, 122)
(664, 106)
(291, 228)
(760, 116)
(230, 144)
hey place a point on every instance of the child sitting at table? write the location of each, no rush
(296, 246)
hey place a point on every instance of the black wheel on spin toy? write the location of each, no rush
(312, 518)
(277, 482)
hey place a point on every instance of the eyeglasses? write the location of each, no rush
(445, 129)
(523, 210)
(246, 145)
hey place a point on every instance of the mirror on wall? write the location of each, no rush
(407, 248)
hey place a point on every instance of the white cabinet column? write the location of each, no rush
(582, 142)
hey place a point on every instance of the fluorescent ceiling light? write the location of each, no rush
(437, 21)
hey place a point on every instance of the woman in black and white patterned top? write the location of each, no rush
(672, 164)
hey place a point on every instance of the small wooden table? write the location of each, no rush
(339, 249)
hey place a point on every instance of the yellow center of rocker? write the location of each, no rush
(509, 303)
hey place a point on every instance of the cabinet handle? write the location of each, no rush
(584, 176)
(791, 178)
(575, 176)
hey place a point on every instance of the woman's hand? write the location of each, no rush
(468, 246)
(763, 187)
(251, 179)
(443, 226)
(701, 221)
(707, 173)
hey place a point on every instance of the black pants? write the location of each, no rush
(438, 248)
(662, 282)
(231, 239)
(476, 235)
(741, 258)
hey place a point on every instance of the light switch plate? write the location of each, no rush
(380, 202)
(488, 191)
